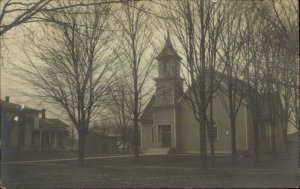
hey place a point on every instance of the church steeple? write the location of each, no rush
(168, 51)
(169, 84)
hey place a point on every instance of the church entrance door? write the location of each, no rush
(165, 135)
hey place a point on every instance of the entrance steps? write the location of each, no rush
(157, 151)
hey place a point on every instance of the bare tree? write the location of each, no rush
(283, 16)
(14, 13)
(135, 54)
(287, 79)
(271, 52)
(72, 69)
(232, 42)
(198, 25)
(286, 83)
(120, 106)
(255, 77)
(18, 12)
(270, 55)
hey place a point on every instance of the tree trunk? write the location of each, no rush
(123, 120)
(273, 138)
(136, 131)
(285, 129)
(136, 143)
(256, 140)
(273, 128)
(72, 142)
(286, 140)
(123, 139)
(203, 151)
(233, 141)
(136, 103)
(81, 146)
(211, 135)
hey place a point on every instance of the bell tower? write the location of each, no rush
(169, 84)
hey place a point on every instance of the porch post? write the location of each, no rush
(174, 131)
(154, 136)
(141, 136)
(55, 139)
(157, 137)
(40, 140)
(50, 139)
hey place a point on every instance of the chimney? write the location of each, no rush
(43, 113)
(7, 99)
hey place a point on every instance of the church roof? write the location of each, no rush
(168, 50)
(146, 116)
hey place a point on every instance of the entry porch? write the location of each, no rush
(162, 136)
(48, 139)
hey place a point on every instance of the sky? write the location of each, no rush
(12, 46)
(12, 52)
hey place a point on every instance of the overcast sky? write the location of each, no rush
(12, 47)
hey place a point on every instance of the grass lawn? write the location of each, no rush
(153, 171)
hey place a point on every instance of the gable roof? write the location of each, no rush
(223, 78)
(12, 107)
(146, 116)
(47, 123)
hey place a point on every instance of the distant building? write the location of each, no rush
(50, 134)
(23, 130)
(99, 143)
(168, 120)
(294, 142)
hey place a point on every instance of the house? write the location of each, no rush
(50, 134)
(293, 142)
(17, 123)
(99, 143)
(23, 130)
(168, 121)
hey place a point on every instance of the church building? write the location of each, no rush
(168, 124)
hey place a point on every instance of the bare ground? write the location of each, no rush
(153, 171)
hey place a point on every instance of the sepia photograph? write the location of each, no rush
(149, 94)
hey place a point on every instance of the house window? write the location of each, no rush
(30, 120)
(152, 134)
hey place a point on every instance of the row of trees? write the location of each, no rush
(252, 47)
(100, 54)
(89, 59)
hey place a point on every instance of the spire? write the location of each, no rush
(168, 40)
(168, 50)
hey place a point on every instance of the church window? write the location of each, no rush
(165, 69)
